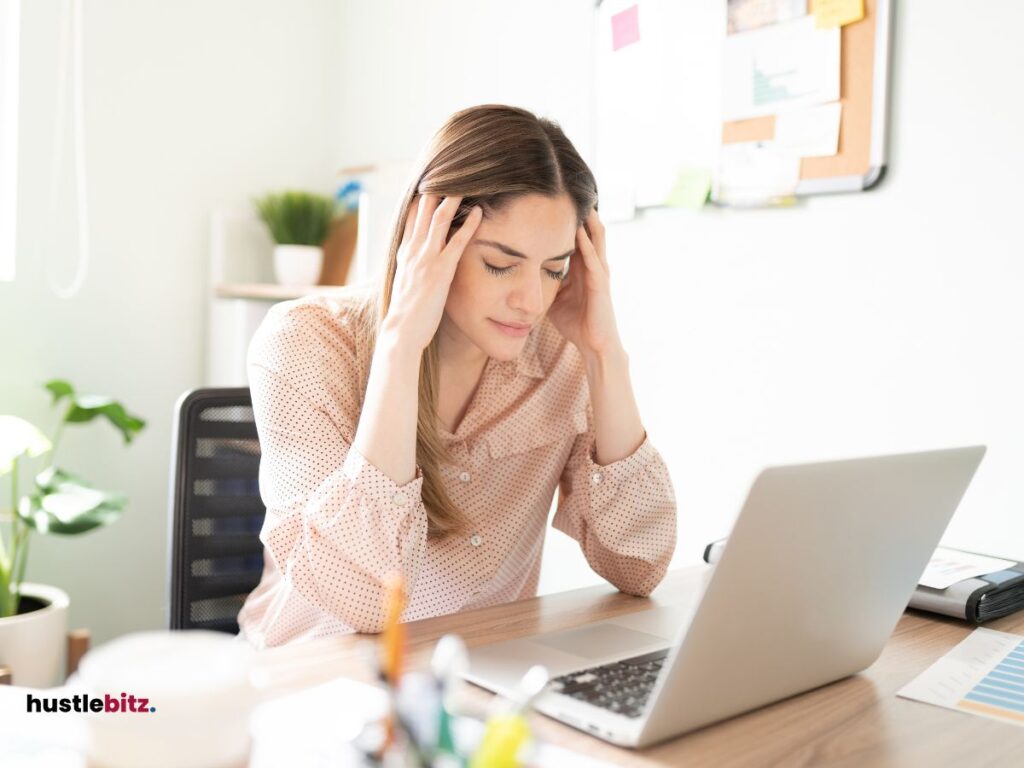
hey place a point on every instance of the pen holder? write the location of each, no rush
(423, 726)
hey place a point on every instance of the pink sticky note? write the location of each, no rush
(625, 28)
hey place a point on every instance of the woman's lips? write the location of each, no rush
(516, 331)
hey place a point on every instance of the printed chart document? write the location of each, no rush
(780, 67)
(983, 675)
(949, 566)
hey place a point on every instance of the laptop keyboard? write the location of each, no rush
(621, 687)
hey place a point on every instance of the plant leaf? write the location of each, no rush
(93, 402)
(52, 478)
(71, 510)
(295, 217)
(88, 407)
(19, 438)
(60, 389)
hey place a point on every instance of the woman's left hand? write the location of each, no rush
(582, 312)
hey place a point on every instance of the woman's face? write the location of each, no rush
(509, 274)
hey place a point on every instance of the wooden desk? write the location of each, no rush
(858, 721)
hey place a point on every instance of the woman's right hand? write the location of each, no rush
(426, 267)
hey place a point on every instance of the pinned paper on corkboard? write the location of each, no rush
(859, 159)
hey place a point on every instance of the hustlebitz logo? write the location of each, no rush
(81, 702)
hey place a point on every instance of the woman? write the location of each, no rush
(425, 430)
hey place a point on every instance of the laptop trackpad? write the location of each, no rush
(599, 641)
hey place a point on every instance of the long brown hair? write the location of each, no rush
(489, 155)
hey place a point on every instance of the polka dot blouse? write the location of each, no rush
(336, 525)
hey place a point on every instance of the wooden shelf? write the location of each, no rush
(271, 291)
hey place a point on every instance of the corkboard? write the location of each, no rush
(861, 83)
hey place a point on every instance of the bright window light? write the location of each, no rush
(9, 29)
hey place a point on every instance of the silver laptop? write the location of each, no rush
(821, 562)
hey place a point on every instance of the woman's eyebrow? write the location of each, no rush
(513, 252)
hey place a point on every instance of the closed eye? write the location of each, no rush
(559, 275)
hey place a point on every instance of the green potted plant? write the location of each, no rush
(33, 617)
(299, 223)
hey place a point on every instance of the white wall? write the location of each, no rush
(10, 15)
(191, 105)
(407, 66)
(856, 324)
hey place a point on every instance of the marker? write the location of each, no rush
(507, 730)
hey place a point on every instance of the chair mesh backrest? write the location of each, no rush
(216, 512)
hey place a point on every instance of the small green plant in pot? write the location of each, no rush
(33, 616)
(299, 222)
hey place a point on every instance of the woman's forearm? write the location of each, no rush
(617, 427)
(386, 435)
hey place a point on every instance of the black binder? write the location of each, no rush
(976, 600)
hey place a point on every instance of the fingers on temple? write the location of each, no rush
(441, 221)
(465, 233)
(425, 212)
(589, 251)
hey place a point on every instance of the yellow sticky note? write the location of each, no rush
(836, 13)
(690, 189)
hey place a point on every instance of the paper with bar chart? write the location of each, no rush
(983, 675)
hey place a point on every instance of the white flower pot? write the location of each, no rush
(33, 644)
(298, 264)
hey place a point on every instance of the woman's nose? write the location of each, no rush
(528, 297)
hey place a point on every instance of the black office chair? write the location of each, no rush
(216, 556)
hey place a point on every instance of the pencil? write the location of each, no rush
(394, 631)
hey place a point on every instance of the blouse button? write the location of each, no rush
(596, 478)
(464, 477)
(475, 540)
(400, 499)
